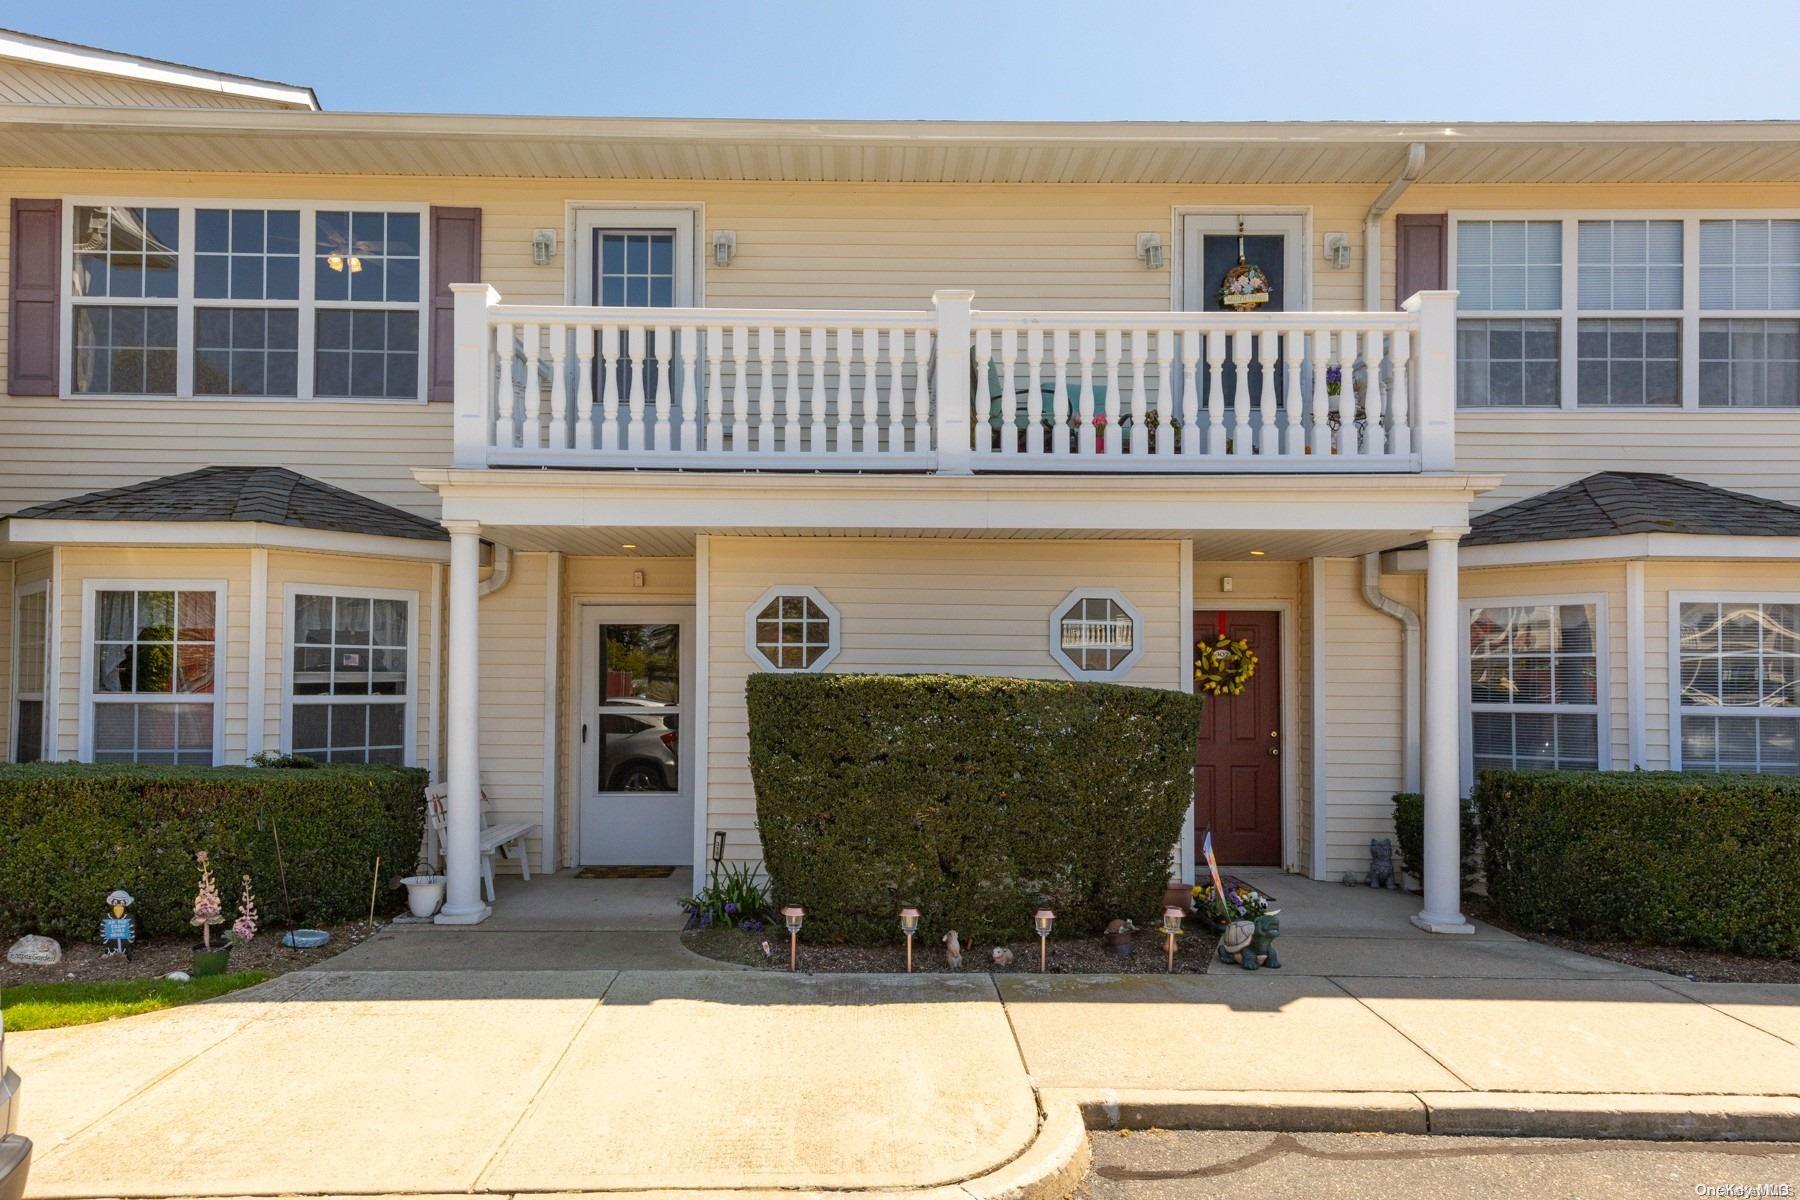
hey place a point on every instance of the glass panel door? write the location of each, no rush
(639, 715)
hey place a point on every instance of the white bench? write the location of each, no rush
(493, 837)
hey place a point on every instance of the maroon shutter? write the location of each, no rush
(35, 320)
(1419, 254)
(455, 258)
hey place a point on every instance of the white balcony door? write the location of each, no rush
(633, 257)
(636, 795)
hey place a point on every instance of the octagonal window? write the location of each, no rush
(1096, 634)
(792, 629)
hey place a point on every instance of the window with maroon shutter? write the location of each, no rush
(33, 363)
(455, 258)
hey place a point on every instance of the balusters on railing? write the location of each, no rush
(1095, 391)
(1399, 399)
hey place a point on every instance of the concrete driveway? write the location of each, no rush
(387, 1072)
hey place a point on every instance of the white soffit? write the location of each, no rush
(889, 152)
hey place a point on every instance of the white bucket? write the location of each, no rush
(424, 893)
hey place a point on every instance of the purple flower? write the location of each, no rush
(731, 908)
(750, 925)
(705, 920)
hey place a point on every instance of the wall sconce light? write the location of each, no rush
(1043, 920)
(1150, 249)
(793, 915)
(1337, 250)
(543, 246)
(724, 244)
(909, 925)
(1171, 926)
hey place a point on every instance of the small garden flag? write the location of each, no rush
(1212, 864)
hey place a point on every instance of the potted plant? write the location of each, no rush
(424, 891)
(208, 911)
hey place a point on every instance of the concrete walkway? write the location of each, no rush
(388, 1073)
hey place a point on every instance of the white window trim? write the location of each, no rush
(19, 690)
(290, 593)
(90, 590)
(1137, 634)
(185, 301)
(1677, 709)
(1602, 707)
(834, 628)
(582, 217)
(1568, 316)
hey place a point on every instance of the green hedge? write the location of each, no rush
(975, 798)
(1663, 857)
(1409, 837)
(74, 832)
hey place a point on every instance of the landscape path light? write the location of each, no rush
(793, 915)
(1043, 920)
(1171, 927)
(909, 925)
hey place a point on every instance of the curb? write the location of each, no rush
(1638, 1117)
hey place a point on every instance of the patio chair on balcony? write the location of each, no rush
(501, 838)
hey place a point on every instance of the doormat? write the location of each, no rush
(624, 872)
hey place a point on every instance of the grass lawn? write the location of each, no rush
(50, 1005)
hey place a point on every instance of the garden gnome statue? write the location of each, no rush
(953, 950)
(118, 928)
(1381, 864)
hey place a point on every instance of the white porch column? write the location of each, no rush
(462, 832)
(1442, 766)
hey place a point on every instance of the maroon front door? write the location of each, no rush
(1237, 765)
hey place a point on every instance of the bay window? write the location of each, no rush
(151, 683)
(31, 664)
(1676, 311)
(1535, 686)
(1738, 666)
(350, 657)
(289, 301)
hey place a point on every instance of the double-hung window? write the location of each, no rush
(1738, 663)
(278, 301)
(351, 663)
(153, 659)
(31, 664)
(1535, 686)
(1631, 311)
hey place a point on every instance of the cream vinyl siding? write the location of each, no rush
(918, 606)
(35, 83)
(1364, 722)
(335, 572)
(512, 698)
(595, 580)
(144, 568)
(812, 245)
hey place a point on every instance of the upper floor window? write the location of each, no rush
(213, 300)
(1626, 323)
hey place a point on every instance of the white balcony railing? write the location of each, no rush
(953, 389)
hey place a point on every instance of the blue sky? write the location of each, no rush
(1448, 60)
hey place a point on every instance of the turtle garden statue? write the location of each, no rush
(1252, 943)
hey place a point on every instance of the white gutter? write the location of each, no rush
(1415, 163)
(501, 575)
(1409, 663)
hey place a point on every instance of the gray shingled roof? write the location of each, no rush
(274, 495)
(1614, 502)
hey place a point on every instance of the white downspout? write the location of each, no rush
(1415, 163)
(1409, 663)
(501, 574)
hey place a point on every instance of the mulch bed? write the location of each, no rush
(156, 957)
(1688, 962)
(1194, 951)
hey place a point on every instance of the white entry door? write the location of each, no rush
(636, 792)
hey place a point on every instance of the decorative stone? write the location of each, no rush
(177, 976)
(35, 950)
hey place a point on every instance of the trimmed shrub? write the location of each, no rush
(1661, 857)
(978, 799)
(1409, 837)
(73, 832)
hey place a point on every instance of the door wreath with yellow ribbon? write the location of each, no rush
(1223, 665)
